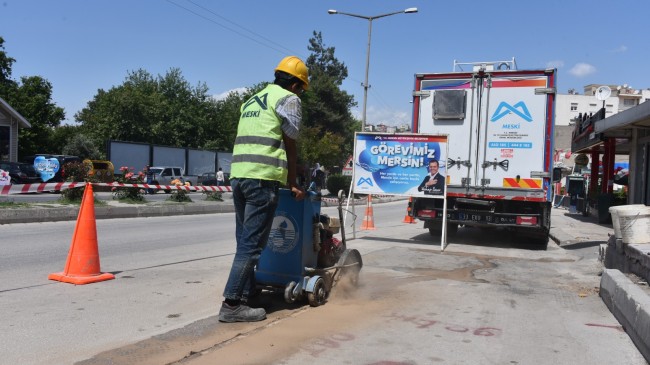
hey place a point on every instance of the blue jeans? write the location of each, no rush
(255, 203)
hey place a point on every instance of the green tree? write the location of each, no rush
(32, 98)
(34, 102)
(82, 146)
(324, 147)
(163, 110)
(6, 63)
(63, 134)
(126, 112)
(221, 133)
(322, 61)
(326, 107)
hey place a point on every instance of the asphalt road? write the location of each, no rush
(488, 298)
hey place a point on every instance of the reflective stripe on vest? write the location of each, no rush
(258, 152)
(260, 159)
(265, 141)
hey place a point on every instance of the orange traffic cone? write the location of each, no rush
(368, 220)
(408, 218)
(82, 266)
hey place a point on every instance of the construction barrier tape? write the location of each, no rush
(51, 187)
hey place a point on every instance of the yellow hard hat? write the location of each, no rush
(295, 67)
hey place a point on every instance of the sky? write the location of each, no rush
(81, 46)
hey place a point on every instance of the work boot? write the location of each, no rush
(240, 313)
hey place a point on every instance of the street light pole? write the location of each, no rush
(370, 19)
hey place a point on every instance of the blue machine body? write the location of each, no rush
(290, 246)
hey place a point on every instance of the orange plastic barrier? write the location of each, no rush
(368, 219)
(408, 218)
(82, 265)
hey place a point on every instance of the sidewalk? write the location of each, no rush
(573, 229)
(629, 301)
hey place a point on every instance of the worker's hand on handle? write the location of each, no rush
(297, 192)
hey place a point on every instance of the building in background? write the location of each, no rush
(572, 107)
(611, 131)
(10, 123)
(569, 107)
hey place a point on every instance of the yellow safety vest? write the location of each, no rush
(258, 152)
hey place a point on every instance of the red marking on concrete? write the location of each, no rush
(619, 328)
(420, 322)
(319, 345)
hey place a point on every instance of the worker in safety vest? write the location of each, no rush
(264, 158)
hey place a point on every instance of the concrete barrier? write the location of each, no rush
(630, 305)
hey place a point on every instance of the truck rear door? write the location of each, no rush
(498, 124)
(449, 106)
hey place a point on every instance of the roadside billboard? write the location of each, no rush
(128, 154)
(400, 164)
(138, 155)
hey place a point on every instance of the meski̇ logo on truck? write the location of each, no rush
(512, 129)
(397, 164)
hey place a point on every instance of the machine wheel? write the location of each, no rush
(319, 294)
(289, 297)
(351, 260)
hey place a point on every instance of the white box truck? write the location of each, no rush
(499, 122)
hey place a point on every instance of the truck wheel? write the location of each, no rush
(436, 230)
(452, 229)
(541, 242)
(538, 240)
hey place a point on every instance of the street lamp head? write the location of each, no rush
(370, 19)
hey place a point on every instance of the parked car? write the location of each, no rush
(164, 175)
(213, 181)
(206, 176)
(21, 173)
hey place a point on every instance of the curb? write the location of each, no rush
(55, 214)
(560, 237)
(40, 215)
(630, 305)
